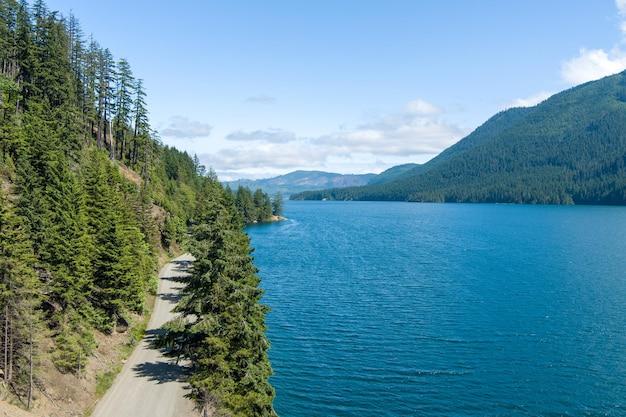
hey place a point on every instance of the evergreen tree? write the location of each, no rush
(221, 325)
(263, 205)
(90, 88)
(105, 77)
(20, 301)
(122, 262)
(277, 204)
(124, 105)
(141, 130)
(78, 240)
(24, 55)
(245, 204)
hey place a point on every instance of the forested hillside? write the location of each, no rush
(257, 206)
(393, 173)
(88, 198)
(570, 149)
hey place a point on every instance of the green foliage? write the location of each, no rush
(253, 207)
(277, 204)
(92, 195)
(74, 343)
(20, 299)
(570, 149)
(221, 325)
(122, 259)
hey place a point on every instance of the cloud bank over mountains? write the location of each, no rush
(418, 132)
(414, 133)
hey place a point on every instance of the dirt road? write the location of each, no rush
(149, 384)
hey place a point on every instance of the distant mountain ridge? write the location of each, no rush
(299, 181)
(569, 149)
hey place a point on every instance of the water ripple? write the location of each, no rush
(394, 309)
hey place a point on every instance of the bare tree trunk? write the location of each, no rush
(123, 146)
(30, 369)
(10, 351)
(99, 135)
(6, 343)
(111, 140)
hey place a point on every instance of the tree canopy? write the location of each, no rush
(88, 198)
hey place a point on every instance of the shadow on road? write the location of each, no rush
(160, 372)
(164, 371)
(179, 271)
(172, 297)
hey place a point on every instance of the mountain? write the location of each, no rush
(393, 173)
(299, 181)
(569, 149)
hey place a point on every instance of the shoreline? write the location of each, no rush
(275, 218)
(272, 219)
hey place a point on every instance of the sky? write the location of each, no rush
(261, 88)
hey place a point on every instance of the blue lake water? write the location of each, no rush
(399, 309)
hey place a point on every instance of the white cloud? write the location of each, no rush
(530, 100)
(268, 135)
(593, 64)
(621, 7)
(407, 134)
(180, 127)
(268, 156)
(413, 135)
(420, 106)
(261, 99)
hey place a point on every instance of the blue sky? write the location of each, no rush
(262, 88)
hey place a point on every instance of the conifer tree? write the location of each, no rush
(78, 240)
(123, 106)
(20, 301)
(106, 77)
(245, 204)
(221, 327)
(277, 204)
(24, 55)
(90, 87)
(263, 205)
(122, 263)
(141, 128)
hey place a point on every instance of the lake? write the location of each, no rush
(400, 309)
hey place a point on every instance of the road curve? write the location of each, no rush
(149, 384)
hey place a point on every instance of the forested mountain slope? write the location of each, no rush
(569, 149)
(88, 198)
(393, 173)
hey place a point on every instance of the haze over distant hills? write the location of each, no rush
(569, 149)
(298, 181)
